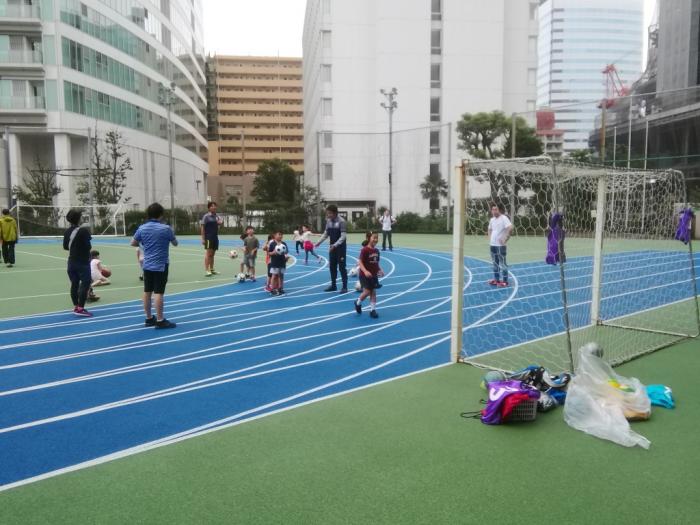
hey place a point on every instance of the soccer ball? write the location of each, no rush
(353, 272)
(106, 272)
(233, 254)
(241, 277)
(358, 286)
(281, 249)
(491, 376)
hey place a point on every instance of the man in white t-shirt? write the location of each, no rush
(500, 229)
(387, 221)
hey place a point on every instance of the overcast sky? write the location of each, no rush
(270, 27)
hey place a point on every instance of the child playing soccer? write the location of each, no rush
(308, 244)
(250, 252)
(296, 237)
(139, 258)
(97, 271)
(370, 271)
(278, 264)
(266, 247)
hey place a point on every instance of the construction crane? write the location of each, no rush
(614, 88)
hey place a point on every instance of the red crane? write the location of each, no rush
(614, 88)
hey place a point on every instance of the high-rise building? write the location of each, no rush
(577, 40)
(255, 114)
(444, 57)
(678, 53)
(70, 69)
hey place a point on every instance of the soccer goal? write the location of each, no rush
(50, 221)
(592, 257)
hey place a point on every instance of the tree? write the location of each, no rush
(479, 133)
(527, 143)
(39, 189)
(432, 188)
(275, 183)
(109, 169)
(581, 155)
(488, 136)
(40, 185)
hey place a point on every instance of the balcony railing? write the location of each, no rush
(21, 103)
(19, 11)
(21, 56)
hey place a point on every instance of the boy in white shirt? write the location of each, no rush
(97, 271)
(499, 232)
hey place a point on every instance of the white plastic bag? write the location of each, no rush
(599, 402)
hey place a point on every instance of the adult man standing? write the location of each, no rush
(387, 221)
(336, 231)
(209, 229)
(499, 232)
(155, 237)
(8, 235)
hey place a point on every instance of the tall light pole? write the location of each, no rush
(166, 96)
(390, 105)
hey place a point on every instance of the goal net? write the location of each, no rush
(50, 221)
(616, 274)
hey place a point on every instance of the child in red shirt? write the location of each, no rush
(370, 271)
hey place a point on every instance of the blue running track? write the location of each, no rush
(76, 392)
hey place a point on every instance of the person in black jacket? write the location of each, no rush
(76, 240)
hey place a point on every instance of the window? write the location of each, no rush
(435, 141)
(326, 39)
(435, 170)
(326, 6)
(436, 41)
(327, 139)
(436, 9)
(327, 170)
(435, 109)
(326, 107)
(533, 12)
(435, 75)
(531, 105)
(325, 72)
(532, 44)
(531, 77)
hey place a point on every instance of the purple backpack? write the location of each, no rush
(498, 393)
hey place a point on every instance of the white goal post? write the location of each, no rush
(623, 280)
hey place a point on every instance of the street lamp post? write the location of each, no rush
(166, 96)
(390, 105)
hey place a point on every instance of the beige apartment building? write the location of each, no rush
(255, 114)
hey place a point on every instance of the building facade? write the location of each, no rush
(577, 40)
(73, 69)
(255, 114)
(444, 57)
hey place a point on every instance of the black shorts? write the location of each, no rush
(369, 283)
(211, 244)
(155, 281)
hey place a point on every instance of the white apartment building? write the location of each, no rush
(444, 57)
(74, 68)
(577, 40)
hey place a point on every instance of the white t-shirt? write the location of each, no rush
(498, 227)
(386, 221)
(306, 236)
(94, 269)
(296, 236)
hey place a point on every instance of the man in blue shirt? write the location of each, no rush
(155, 237)
(336, 231)
(209, 229)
